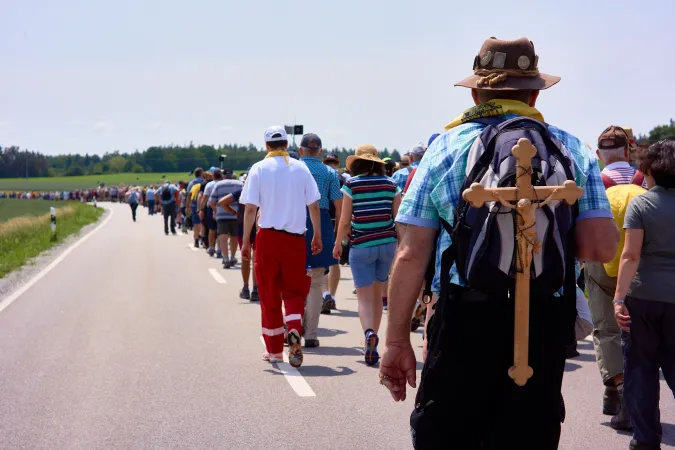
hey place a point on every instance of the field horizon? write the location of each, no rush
(91, 181)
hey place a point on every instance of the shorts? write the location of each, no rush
(209, 221)
(182, 210)
(371, 264)
(195, 215)
(227, 227)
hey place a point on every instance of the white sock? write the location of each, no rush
(325, 293)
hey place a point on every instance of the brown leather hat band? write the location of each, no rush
(490, 77)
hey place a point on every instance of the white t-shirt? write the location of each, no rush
(282, 192)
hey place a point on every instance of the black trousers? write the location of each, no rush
(169, 211)
(466, 400)
(134, 207)
(652, 346)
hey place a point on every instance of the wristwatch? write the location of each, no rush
(618, 302)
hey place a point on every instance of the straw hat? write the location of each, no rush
(367, 152)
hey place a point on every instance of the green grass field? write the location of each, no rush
(10, 209)
(90, 181)
(26, 236)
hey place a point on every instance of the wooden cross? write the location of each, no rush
(525, 195)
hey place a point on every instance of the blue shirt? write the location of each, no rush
(401, 176)
(435, 191)
(326, 180)
(133, 198)
(172, 190)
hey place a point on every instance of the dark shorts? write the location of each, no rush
(209, 221)
(227, 227)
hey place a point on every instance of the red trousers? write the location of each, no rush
(280, 269)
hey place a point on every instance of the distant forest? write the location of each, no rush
(17, 163)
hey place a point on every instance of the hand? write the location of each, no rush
(246, 250)
(337, 251)
(201, 215)
(317, 245)
(398, 364)
(622, 316)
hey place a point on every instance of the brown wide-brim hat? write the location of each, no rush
(366, 152)
(508, 66)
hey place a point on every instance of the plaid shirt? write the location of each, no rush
(401, 176)
(435, 191)
(326, 179)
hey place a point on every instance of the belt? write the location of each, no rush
(286, 232)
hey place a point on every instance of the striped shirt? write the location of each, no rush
(621, 173)
(372, 216)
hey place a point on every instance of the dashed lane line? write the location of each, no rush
(216, 276)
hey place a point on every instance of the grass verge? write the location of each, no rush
(23, 238)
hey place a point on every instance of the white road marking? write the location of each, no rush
(216, 276)
(293, 376)
(18, 293)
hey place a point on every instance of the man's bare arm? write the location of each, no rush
(596, 239)
(406, 278)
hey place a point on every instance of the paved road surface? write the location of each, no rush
(131, 343)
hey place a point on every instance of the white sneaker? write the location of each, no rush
(271, 359)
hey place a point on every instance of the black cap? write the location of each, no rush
(311, 141)
(228, 172)
(216, 172)
(331, 157)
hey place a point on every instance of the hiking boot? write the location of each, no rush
(311, 343)
(173, 232)
(635, 445)
(294, 349)
(611, 401)
(255, 297)
(245, 293)
(233, 262)
(211, 251)
(227, 264)
(196, 243)
(325, 308)
(621, 421)
(219, 254)
(370, 349)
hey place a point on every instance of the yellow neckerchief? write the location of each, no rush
(496, 108)
(274, 153)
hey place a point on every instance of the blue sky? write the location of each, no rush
(92, 76)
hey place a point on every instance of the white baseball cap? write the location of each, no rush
(275, 134)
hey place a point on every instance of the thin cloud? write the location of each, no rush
(226, 128)
(154, 125)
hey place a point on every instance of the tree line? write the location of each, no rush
(17, 163)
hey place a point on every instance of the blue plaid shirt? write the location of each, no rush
(435, 191)
(401, 176)
(326, 179)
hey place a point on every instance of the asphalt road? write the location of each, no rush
(131, 342)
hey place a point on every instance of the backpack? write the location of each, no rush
(166, 194)
(638, 180)
(483, 239)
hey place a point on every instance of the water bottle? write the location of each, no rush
(309, 271)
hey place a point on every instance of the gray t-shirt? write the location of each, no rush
(222, 189)
(654, 212)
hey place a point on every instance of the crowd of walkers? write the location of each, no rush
(418, 249)
(410, 237)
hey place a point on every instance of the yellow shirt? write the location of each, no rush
(194, 192)
(619, 196)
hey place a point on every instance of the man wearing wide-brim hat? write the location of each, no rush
(466, 398)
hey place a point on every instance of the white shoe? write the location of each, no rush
(272, 359)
